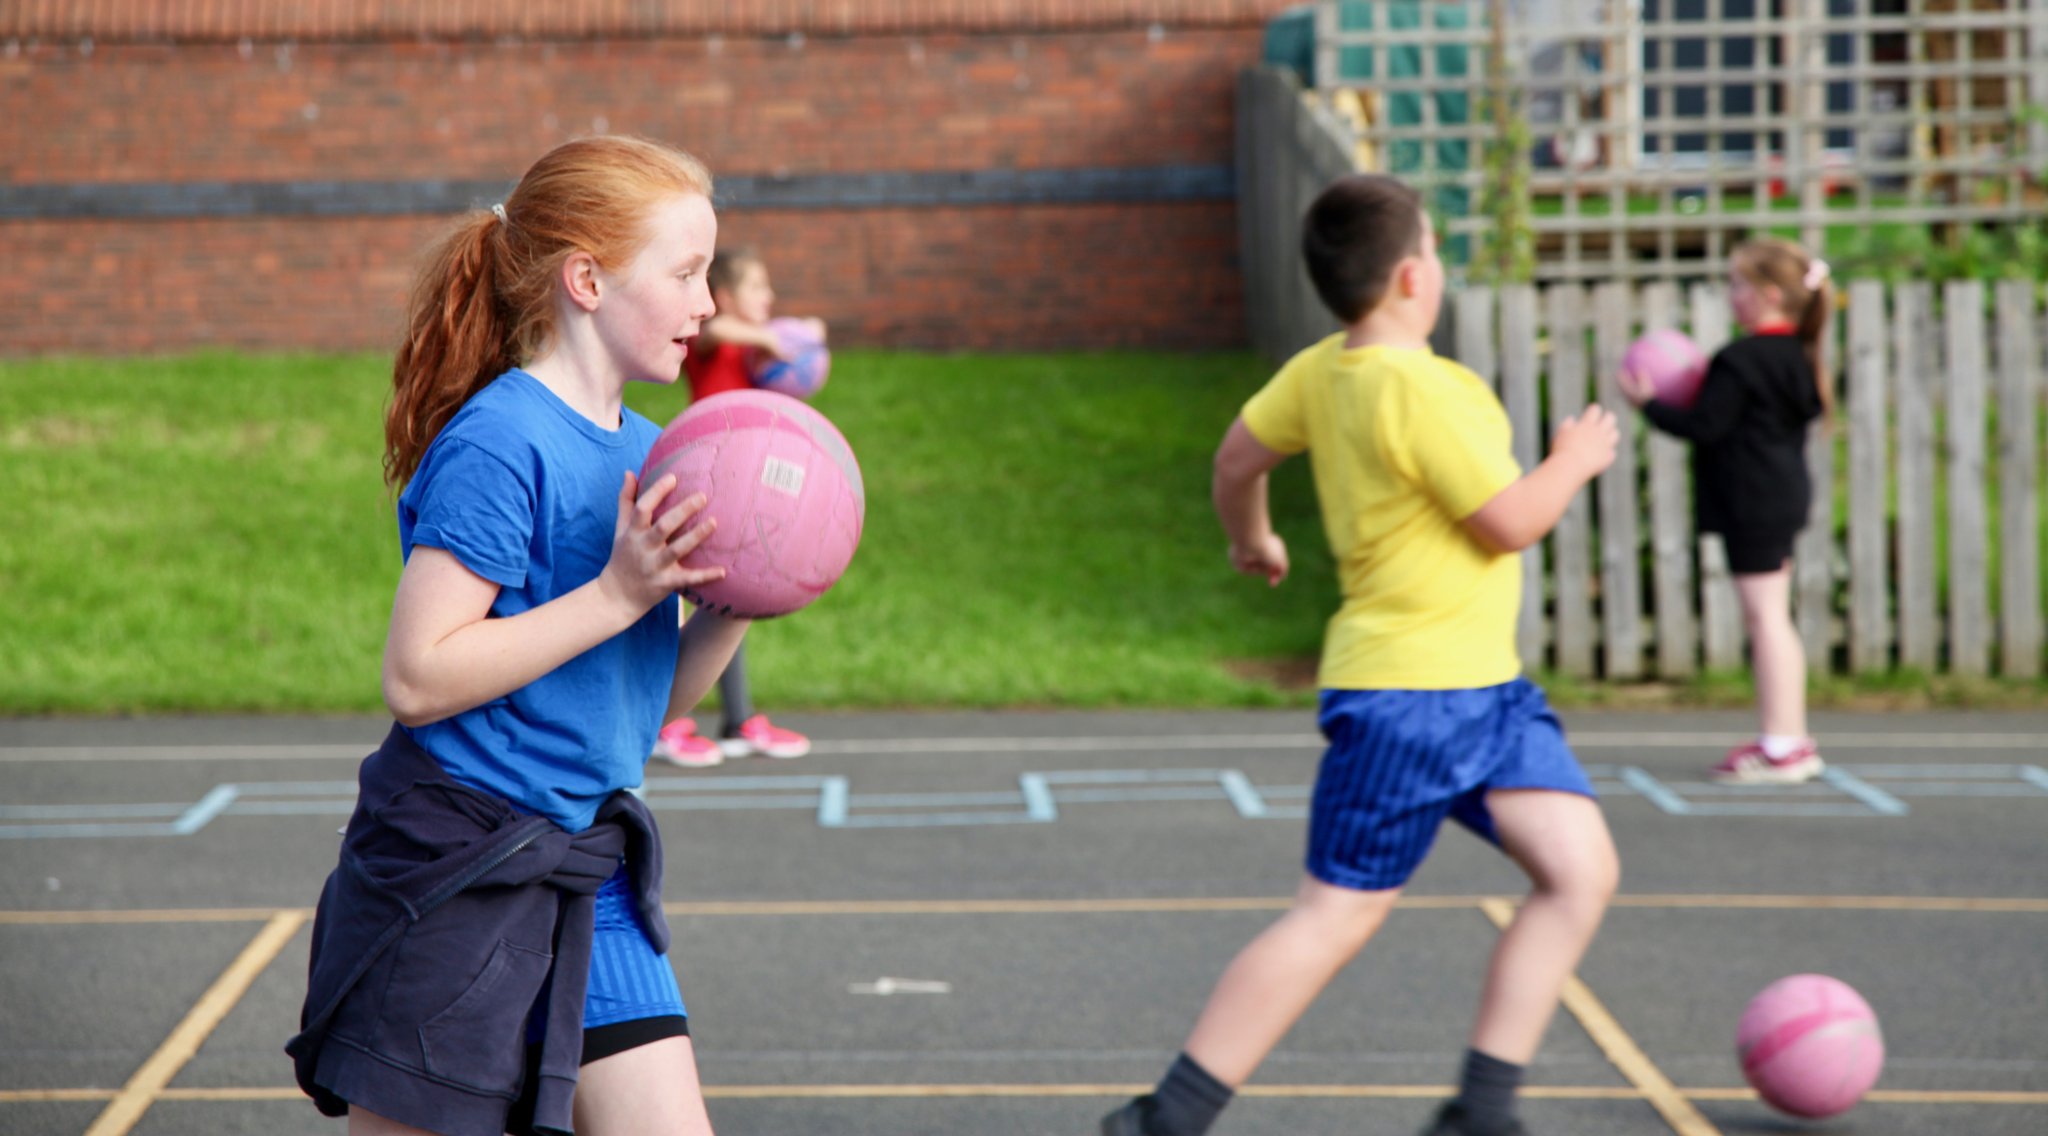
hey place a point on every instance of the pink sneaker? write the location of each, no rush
(758, 736)
(1750, 765)
(679, 743)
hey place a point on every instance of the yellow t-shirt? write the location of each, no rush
(1404, 445)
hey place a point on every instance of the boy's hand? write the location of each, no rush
(1587, 440)
(1263, 556)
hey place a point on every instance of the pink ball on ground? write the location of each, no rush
(786, 492)
(1810, 1045)
(1672, 362)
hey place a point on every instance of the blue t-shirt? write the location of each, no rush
(524, 491)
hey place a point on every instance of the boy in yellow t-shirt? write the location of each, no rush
(1423, 703)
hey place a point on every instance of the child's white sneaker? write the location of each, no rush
(679, 743)
(757, 736)
(1751, 764)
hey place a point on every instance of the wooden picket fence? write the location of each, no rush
(1938, 427)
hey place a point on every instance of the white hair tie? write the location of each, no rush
(1816, 273)
(498, 211)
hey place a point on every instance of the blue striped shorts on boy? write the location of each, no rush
(1400, 761)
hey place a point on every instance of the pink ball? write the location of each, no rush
(799, 376)
(1810, 1045)
(1672, 362)
(785, 489)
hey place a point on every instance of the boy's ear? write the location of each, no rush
(1405, 283)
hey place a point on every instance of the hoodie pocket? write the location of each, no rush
(480, 1040)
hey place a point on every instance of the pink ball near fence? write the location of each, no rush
(1810, 1045)
(785, 489)
(804, 372)
(1672, 362)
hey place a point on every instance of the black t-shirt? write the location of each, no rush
(1748, 430)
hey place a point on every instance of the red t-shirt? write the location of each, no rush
(716, 369)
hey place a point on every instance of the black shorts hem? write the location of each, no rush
(1755, 551)
(600, 1042)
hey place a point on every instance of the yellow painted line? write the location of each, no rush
(145, 915)
(1127, 906)
(276, 1092)
(1195, 904)
(1349, 1092)
(1937, 903)
(1936, 1096)
(1620, 1048)
(32, 1096)
(141, 1090)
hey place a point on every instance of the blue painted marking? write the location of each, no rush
(1937, 772)
(1879, 801)
(209, 806)
(18, 831)
(1654, 791)
(88, 812)
(935, 820)
(1239, 789)
(1842, 791)
(1141, 796)
(1038, 802)
(832, 802)
(805, 802)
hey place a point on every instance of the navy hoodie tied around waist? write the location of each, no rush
(437, 934)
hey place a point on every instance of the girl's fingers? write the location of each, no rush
(670, 522)
(687, 542)
(694, 576)
(651, 500)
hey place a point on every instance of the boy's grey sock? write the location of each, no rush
(1486, 1089)
(1187, 1100)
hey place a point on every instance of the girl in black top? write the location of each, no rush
(1748, 429)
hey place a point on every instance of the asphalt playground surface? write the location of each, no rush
(1005, 923)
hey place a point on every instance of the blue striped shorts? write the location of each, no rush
(1400, 761)
(628, 979)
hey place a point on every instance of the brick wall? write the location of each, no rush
(908, 88)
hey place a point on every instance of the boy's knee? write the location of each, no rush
(1343, 913)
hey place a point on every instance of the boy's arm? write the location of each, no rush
(1521, 514)
(1239, 492)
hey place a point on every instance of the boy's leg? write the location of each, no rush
(1262, 993)
(1561, 841)
(1272, 981)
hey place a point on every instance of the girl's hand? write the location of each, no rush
(647, 549)
(1636, 387)
(1265, 556)
(817, 328)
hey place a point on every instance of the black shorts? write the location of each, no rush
(1754, 551)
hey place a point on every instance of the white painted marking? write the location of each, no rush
(886, 986)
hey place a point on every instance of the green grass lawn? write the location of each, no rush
(209, 533)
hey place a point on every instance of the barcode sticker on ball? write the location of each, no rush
(783, 476)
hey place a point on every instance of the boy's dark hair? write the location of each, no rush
(727, 267)
(1355, 232)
